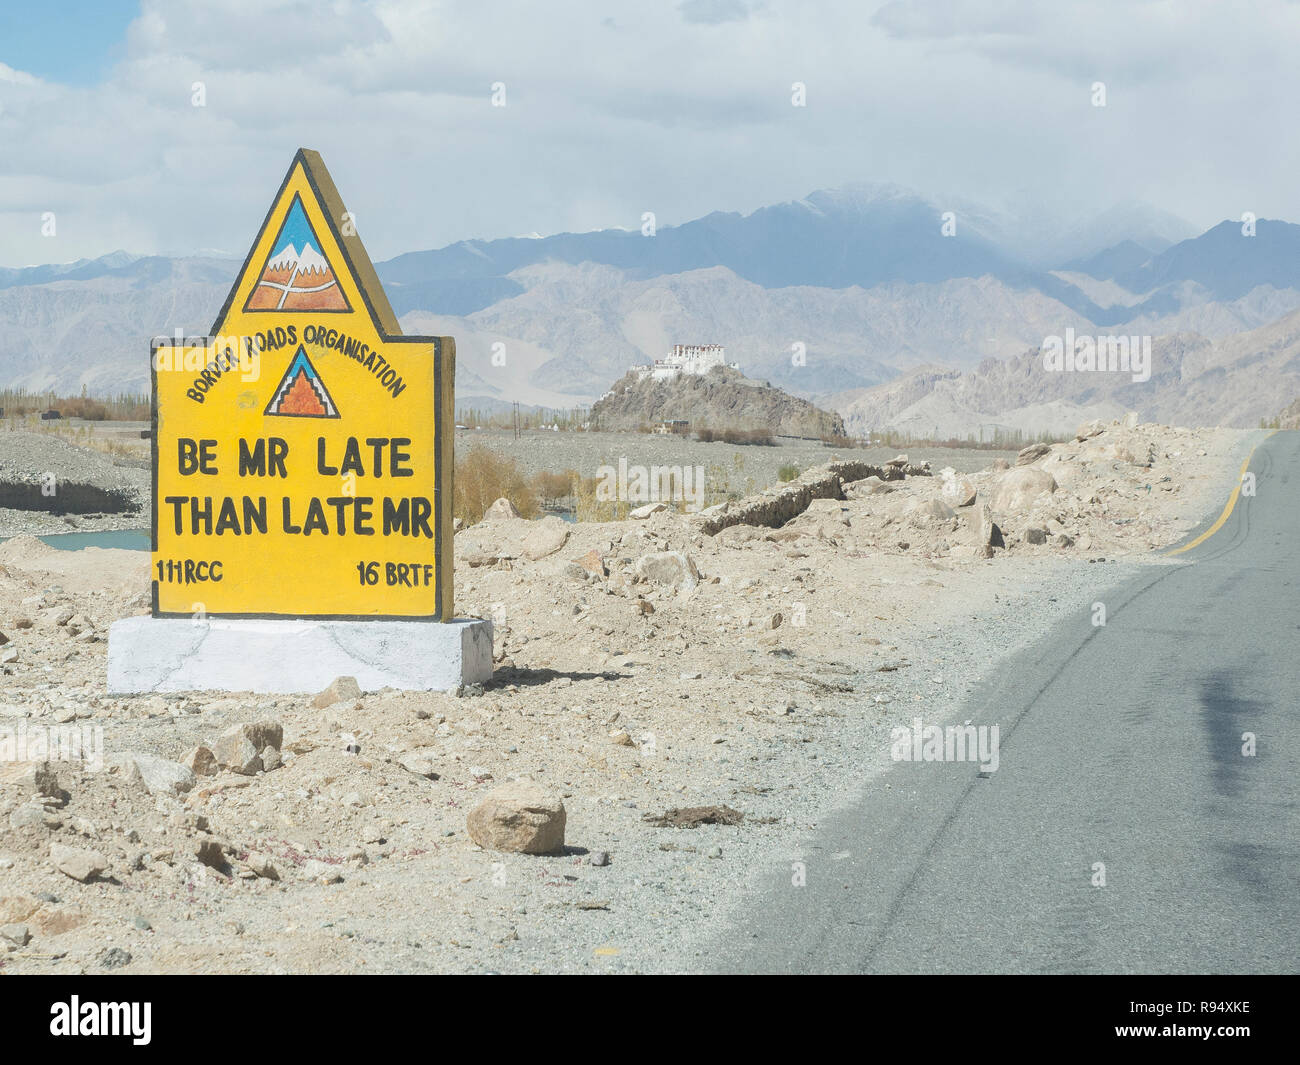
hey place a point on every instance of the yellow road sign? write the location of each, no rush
(302, 453)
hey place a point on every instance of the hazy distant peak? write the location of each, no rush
(859, 196)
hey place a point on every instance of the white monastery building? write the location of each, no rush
(696, 359)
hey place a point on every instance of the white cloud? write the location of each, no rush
(633, 108)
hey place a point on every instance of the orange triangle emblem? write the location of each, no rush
(301, 393)
(296, 275)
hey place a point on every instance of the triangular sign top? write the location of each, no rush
(306, 258)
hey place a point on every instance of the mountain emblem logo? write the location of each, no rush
(297, 276)
(301, 393)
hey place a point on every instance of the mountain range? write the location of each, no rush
(869, 300)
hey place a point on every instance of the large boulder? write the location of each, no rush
(1064, 467)
(545, 538)
(1017, 489)
(521, 816)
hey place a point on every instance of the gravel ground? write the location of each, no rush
(28, 458)
(718, 707)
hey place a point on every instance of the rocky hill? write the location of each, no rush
(721, 399)
(1233, 381)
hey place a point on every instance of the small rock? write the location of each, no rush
(598, 858)
(621, 738)
(520, 817)
(78, 623)
(593, 562)
(1032, 453)
(235, 751)
(343, 689)
(958, 492)
(502, 508)
(423, 763)
(987, 533)
(643, 512)
(262, 866)
(17, 934)
(271, 759)
(142, 924)
(76, 862)
(320, 872)
(160, 775)
(114, 958)
(669, 569)
(200, 761)
(240, 748)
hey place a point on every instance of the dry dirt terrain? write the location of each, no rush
(643, 666)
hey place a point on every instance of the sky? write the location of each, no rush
(166, 126)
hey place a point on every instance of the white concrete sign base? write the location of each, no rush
(147, 654)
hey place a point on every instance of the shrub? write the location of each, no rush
(483, 477)
(787, 472)
(759, 437)
(735, 436)
(550, 487)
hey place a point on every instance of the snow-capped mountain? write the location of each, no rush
(307, 261)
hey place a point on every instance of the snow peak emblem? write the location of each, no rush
(302, 393)
(103, 1018)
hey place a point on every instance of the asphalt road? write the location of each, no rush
(1119, 744)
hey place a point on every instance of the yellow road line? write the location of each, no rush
(1227, 511)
